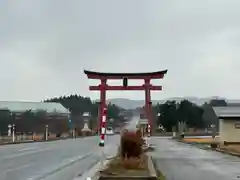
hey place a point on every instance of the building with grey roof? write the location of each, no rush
(227, 112)
(54, 115)
(229, 123)
(21, 106)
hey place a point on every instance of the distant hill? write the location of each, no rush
(128, 103)
(132, 104)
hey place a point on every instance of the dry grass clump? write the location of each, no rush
(131, 144)
(127, 166)
(129, 163)
(134, 163)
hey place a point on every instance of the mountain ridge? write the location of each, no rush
(132, 104)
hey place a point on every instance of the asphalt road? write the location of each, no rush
(131, 125)
(185, 162)
(55, 160)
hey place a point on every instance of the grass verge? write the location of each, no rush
(201, 140)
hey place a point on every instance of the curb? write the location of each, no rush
(93, 173)
(33, 141)
(151, 168)
(195, 145)
(21, 142)
(159, 172)
(184, 142)
(94, 170)
(216, 149)
(226, 152)
(152, 173)
(192, 142)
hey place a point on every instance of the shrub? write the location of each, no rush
(214, 145)
(58, 135)
(131, 144)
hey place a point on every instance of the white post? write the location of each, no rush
(174, 134)
(9, 130)
(74, 133)
(34, 136)
(13, 133)
(46, 135)
(213, 126)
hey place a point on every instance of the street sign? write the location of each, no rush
(143, 121)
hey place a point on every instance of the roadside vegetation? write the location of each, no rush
(168, 115)
(32, 121)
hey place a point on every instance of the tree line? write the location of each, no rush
(77, 104)
(171, 113)
(30, 121)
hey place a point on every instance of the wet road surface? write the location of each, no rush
(185, 162)
(60, 160)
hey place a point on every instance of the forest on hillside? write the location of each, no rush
(77, 105)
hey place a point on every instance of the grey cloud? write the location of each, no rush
(197, 41)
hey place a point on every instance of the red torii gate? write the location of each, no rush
(147, 87)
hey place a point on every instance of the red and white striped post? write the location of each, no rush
(103, 128)
(102, 135)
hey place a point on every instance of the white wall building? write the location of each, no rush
(229, 123)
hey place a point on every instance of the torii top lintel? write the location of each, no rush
(101, 75)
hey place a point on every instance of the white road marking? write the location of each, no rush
(28, 149)
(26, 153)
(18, 168)
(60, 167)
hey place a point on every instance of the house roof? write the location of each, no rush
(227, 112)
(21, 106)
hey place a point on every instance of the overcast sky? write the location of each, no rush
(46, 44)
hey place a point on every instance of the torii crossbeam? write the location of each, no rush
(147, 87)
